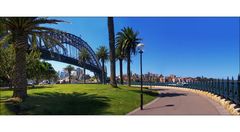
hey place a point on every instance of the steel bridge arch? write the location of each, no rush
(78, 43)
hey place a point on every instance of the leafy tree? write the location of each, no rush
(129, 40)
(69, 69)
(7, 59)
(20, 31)
(35, 69)
(112, 52)
(84, 56)
(103, 55)
(41, 71)
(49, 73)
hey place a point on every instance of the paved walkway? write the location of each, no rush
(179, 102)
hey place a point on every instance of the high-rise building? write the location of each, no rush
(62, 75)
(79, 73)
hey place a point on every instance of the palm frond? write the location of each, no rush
(5, 39)
(84, 56)
(43, 20)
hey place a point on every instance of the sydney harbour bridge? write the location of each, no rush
(68, 52)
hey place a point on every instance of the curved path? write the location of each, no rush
(172, 101)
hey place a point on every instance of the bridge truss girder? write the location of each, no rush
(76, 42)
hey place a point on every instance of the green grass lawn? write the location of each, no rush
(76, 99)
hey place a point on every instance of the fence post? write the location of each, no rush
(205, 85)
(238, 86)
(200, 85)
(189, 84)
(227, 88)
(192, 84)
(219, 87)
(204, 81)
(208, 85)
(212, 85)
(197, 83)
(232, 91)
(222, 88)
(216, 86)
(208, 82)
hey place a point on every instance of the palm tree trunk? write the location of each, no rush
(112, 52)
(103, 72)
(37, 80)
(121, 72)
(69, 78)
(20, 78)
(84, 73)
(129, 69)
(10, 83)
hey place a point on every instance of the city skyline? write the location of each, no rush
(176, 42)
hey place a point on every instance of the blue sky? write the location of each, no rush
(180, 46)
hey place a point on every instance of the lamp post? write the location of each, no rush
(140, 50)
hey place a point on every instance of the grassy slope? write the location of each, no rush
(83, 99)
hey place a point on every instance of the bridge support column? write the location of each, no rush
(99, 76)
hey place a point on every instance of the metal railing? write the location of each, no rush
(226, 88)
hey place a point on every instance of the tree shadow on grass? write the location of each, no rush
(61, 104)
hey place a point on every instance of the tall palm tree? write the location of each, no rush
(69, 69)
(20, 31)
(112, 52)
(103, 55)
(120, 55)
(129, 40)
(84, 56)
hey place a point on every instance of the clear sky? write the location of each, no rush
(180, 46)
